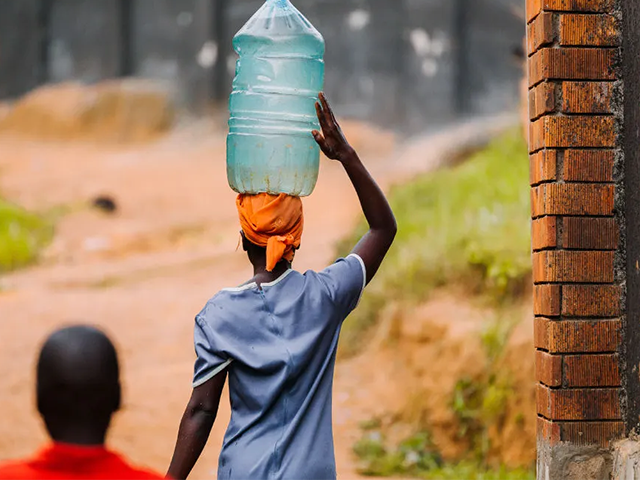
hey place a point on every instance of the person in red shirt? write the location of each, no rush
(78, 391)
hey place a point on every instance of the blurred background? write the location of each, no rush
(115, 210)
(408, 65)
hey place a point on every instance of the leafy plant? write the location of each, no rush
(480, 404)
(466, 226)
(417, 457)
(22, 236)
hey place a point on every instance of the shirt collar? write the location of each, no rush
(250, 285)
(65, 454)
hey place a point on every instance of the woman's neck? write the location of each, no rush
(260, 274)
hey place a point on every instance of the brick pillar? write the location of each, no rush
(583, 141)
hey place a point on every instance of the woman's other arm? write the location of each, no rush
(196, 425)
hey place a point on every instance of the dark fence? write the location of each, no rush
(405, 64)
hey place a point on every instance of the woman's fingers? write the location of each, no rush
(329, 111)
(329, 118)
(321, 117)
(320, 140)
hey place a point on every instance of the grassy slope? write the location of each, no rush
(467, 226)
(22, 235)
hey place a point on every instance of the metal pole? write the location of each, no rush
(126, 34)
(461, 38)
(221, 36)
(44, 28)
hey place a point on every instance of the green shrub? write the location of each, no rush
(467, 226)
(417, 457)
(22, 236)
(481, 403)
(412, 457)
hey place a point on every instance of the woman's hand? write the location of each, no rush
(332, 141)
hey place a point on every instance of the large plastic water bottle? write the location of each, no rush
(279, 73)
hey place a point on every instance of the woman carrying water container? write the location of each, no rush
(275, 337)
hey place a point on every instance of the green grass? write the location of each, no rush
(481, 403)
(417, 458)
(469, 471)
(22, 236)
(467, 227)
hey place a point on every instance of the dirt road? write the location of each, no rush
(144, 273)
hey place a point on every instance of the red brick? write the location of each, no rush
(543, 166)
(541, 333)
(549, 369)
(572, 199)
(591, 301)
(546, 300)
(590, 371)
(580, 433)
(594, 6)
(543, 406)
(573, 132)
(572, 64)
(580, 336)
(586, 97)
(536, 135)
(536, 202)
(542, 100)
(540, 32)
(589, 30)
(590, 233)
(533, 8)
(590, 433)
(561, 266)
(544, 233)
(548, 431)
(589, 165)
(578, 403)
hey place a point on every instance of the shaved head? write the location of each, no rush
(78, 386)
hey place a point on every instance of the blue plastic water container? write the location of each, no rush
(279, 72)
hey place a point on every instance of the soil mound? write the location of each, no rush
(121, 111)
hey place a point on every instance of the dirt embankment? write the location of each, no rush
(122, 111)
(408, 375)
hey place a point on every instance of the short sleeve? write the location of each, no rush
(211, 360)
(345, 281)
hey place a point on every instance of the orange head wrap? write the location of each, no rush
(274, 222)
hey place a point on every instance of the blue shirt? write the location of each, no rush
(279, 342)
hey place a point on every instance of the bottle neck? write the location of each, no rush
(279, 3)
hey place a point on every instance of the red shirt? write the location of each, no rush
(63, 461)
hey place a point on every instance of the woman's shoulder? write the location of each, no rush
(339, 268)
(224, 306)
(228, 293)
